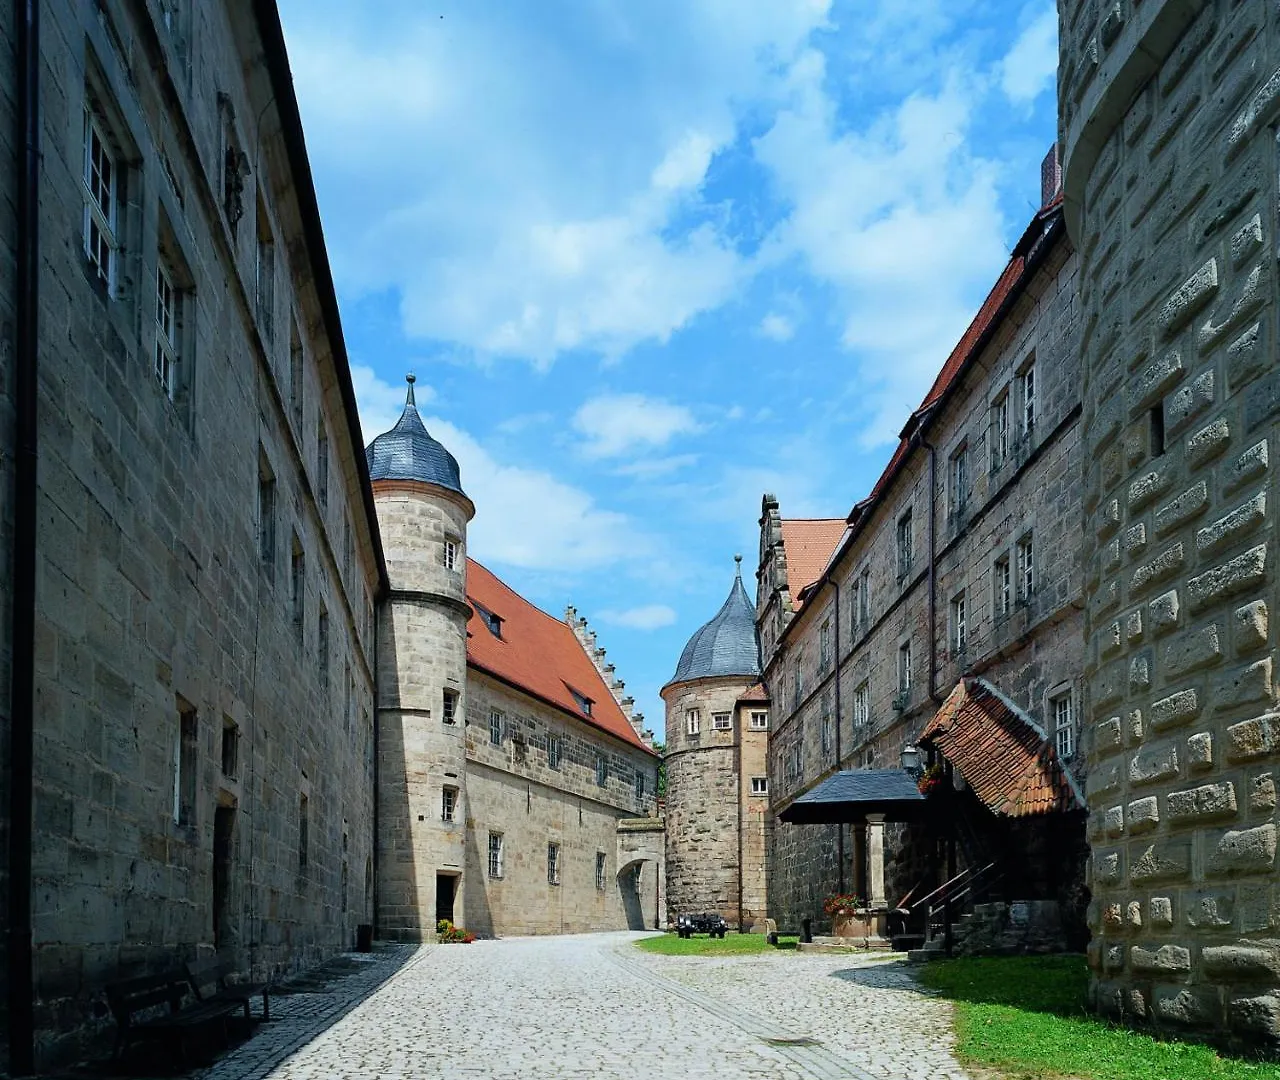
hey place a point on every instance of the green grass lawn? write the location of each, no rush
(731, 945)
(1026, 1018)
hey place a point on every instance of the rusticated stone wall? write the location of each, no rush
(1168, 114)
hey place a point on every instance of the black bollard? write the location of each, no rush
(806, 930)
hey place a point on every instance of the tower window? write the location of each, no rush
(448, 803)
(451, 555)
(450, 707)
(722, 721)
(759, 785)
(692, 722)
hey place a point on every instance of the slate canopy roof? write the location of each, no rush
(408, 452)
(727, 645)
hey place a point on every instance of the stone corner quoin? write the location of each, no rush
(1167, 114)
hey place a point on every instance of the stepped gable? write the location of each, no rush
(808, 544)
(512, 640)
(727, 645)
(1004, 756)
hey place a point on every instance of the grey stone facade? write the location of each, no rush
(856, 670)
(206, 562)
(1168, 116)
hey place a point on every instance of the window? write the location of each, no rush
(959, 630)
(1027, 387)
(905, 554)
(168, 326)
(602, 770)
(999, 431)
(322, 647)
(101, 177)
(265, 276)
(640, 787)
(495, 727)
(960, 478)
(295, 374)
(304, 831)
(1026, 568)
(495, 855)
(855, 602)
(861, 706)
(600, 864)
(824, 646)
(759, 721)
(492, 621)
(451, 554)
(267, 517)
(692, 722)
(722, 721)
(553, 864)
(864, 599)
(230, 747)
(297, 584)
(448, 803)
(1002, 585)
(185, 745)
(553, 751)
(583, 702)
(759, 785)
(322, 466)
(1064, 732)
(450, 706)
(797, 682)
(904, 667)
(826, 724)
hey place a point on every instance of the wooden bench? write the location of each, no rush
(137, 1005)
(208, 980)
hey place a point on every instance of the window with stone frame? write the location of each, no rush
(451, 553)
(904, 667)
(826, 723)
(102, 176)
(1027, 394)
(1026, 568)
(553, 863)
(692, 722)
(449, 713)
(495, 727)
(1064, 729)
(797, 683)
(861, 706)
(906, 540)
(759, 721)
(1002, 587)
(864, 599)
(602, 770)
(759, 785)
(722, 721)
(855, 604)
(600, 870)
(640, 786)
(999, 430)
(448, 803)
(554, 750)
(186, 743)
(824, 645)
(959, 474)
(230, 748)
(266, 516)
(495, 855)
(167, 356)
(959, 625)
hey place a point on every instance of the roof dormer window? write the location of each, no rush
(492, 621)
(584, 702)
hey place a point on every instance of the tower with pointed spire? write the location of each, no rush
(422, 673)
(717, 713)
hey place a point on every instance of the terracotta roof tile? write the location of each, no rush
(808, 543)
(755, 693)
(538, 653)
(1007, 761)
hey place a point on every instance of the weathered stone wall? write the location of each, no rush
(1032, 653)
(704, 816)
(162, 591)
(1168, 116)
(755, 821)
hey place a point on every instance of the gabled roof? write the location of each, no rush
(808, 543)
(1003, 755)
(539, 654)
(755, 693)
(851, 795)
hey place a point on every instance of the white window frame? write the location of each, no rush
(495, 853)
(553, 863)
(1000, 430)
(640, 786)
(101, 226)
(861, 706)
(451, 554)
(797, 683)
(554, 751)
(1062, 712)
(1026, 567)
(906, 545)
(692, 722)
(449, 707)
(602, 771)
(448, 803)
(959, 623)
(759, 721)
(722, 721)
(495, 727)
(759, 785)
(1027, 388)
(960, 477)
(1002, 586)
(904, 667)
(168, 347)
(825, 730)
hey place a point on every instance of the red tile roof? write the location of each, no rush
(539, 654)
(1008, 762)
(808, 543)
(755, 693)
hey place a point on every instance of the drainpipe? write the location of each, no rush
(21, 1011)
(933, 577)
(840, 830)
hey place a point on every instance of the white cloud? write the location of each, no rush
(654, 468)
(616, 424)
(645, 617)
(777, 327)
(1031, 65)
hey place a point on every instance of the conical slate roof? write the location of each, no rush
(726, 645)
(407, 452)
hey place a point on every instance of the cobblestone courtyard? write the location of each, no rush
(593, 1006)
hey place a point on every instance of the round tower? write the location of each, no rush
(717, 727)
(422, 666)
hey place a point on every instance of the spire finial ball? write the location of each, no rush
(411, 378)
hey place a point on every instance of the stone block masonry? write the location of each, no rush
(1168, 114)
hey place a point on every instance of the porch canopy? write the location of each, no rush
(848, 797)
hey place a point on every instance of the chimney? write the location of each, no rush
(1050, 176)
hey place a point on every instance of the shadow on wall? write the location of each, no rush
(398, 916)
(476, 862)
(629, 890)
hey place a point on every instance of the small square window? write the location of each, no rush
(759, 785)
(759, 721)
(722, 721)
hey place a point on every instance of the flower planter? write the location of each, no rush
(851, 924)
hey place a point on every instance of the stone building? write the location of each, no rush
(202, 544)
(1168, 114)
(506, 761)
(961, 565)
(717, 809)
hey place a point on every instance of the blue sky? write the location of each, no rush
(649, 260)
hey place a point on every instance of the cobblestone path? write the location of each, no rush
(592, 1006)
